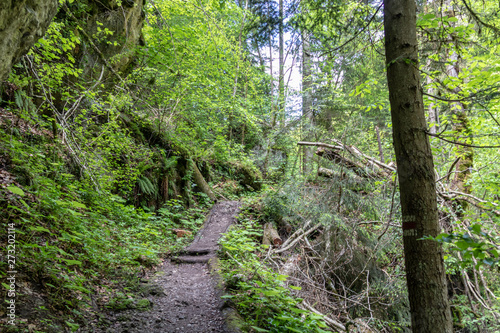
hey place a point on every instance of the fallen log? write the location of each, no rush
(355, 183)
(271, 236)
(328, 173)
(352, 158)
(338, 158)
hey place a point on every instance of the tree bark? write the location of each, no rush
(307, 114)
(271, 236)
(425, 273)
(200, 181)
(460, 122)
(281, 79)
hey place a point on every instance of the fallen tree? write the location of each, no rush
(352, 158)
(366, 166)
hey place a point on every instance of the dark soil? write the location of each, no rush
(183, 294)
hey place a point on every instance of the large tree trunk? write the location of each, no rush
(425, 273)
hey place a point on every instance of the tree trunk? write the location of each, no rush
(425, 273)
(460, 123)
(307, 114)
(281, 79)
(200, 181)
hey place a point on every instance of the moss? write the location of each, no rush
(247, 174)
(151, 289)
(143, 304)
(121, 302)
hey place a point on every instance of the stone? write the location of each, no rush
(22, 23)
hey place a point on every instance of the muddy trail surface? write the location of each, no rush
(183, 295)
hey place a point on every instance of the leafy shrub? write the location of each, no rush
(259, 293)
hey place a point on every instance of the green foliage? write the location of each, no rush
(69, 236)
(475, 243)
(200, 90)
(260, 294)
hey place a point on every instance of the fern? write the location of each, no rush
(170, 162)
(146, 186)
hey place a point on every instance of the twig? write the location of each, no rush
(458, 143)
(283, 249)
(328, 320)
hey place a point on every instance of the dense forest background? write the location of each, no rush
(122, 121)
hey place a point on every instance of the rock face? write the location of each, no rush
(22, 23)
(118, 49)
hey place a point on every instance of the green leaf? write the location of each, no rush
(38, 228)
(258, 329)
(71, 262)
(488, 261)
(270, 292)
(297, 310)
(16, 190)
(281, 277)
(24, 203)
(74, 327)
(78, 204)
(476, 228)
(462, 245)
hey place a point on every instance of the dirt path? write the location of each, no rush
(184, 296)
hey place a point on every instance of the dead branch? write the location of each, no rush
(283, 249)
(356, 160)
(329, 321)
(475, 201)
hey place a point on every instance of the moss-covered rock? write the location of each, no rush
(124, 302)
(151, 289)
(22, 23)
(110, 37)
(247, 174)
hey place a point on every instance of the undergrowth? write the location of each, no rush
(74, 245)
(260, 294)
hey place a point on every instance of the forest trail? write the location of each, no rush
(183, 294)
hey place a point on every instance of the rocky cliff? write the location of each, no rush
(111, 33)
(22, 23)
